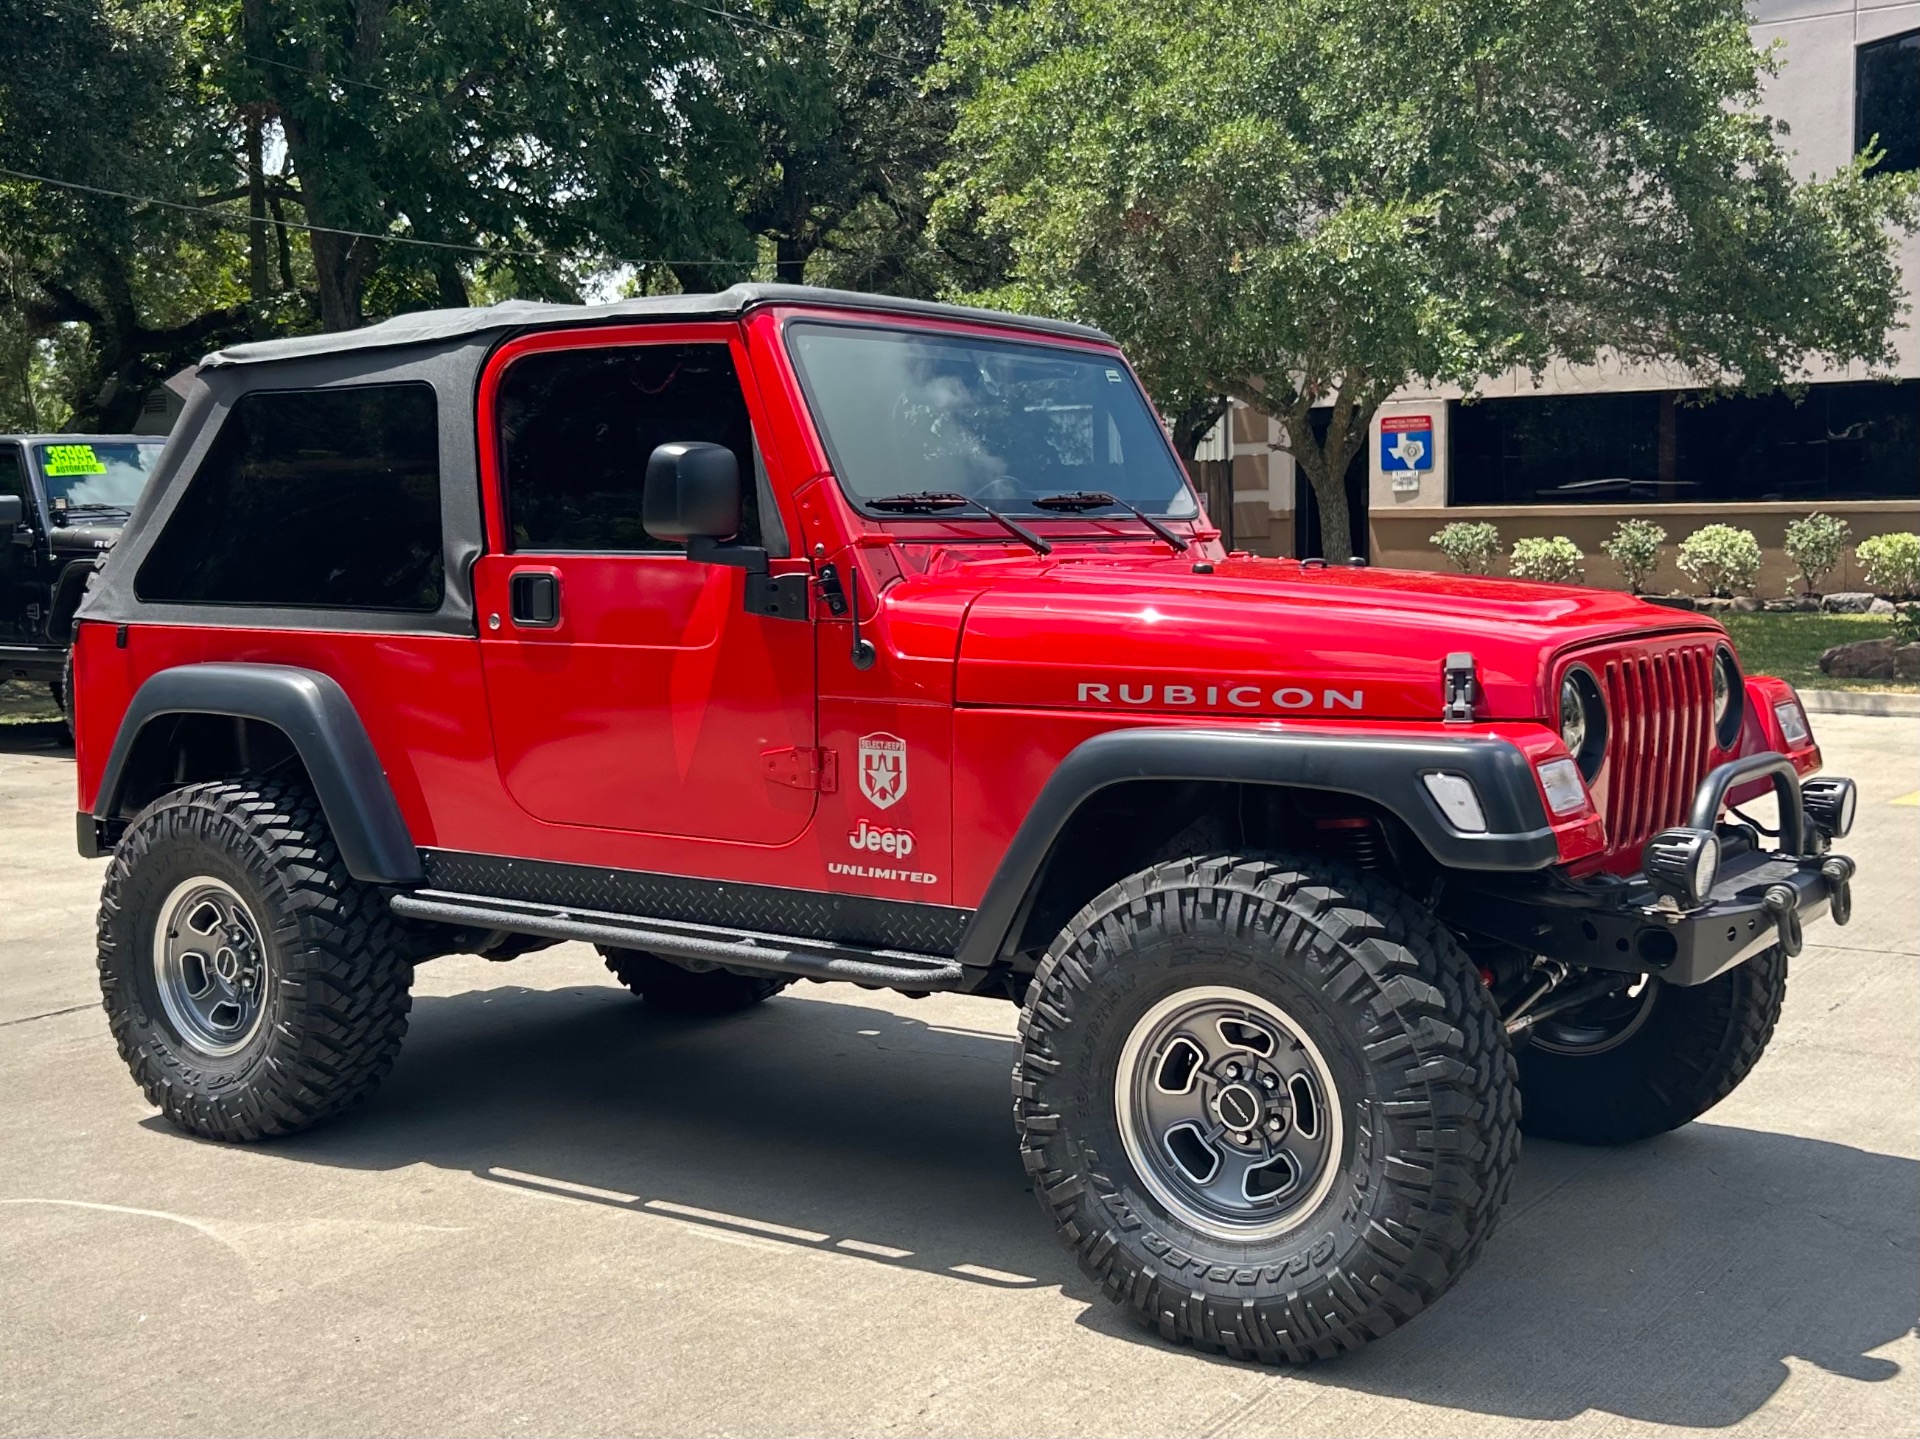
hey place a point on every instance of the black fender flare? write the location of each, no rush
(69, 588)
(315, 714)
(1386, 769)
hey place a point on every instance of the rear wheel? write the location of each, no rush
(1650, 1058)
(63, 689)
(253, 986)
(1267, 1102)
(678, 990)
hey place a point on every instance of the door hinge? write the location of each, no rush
(816, 769)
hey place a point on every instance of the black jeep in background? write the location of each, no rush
(63, 502)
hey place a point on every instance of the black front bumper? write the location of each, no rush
(1761, 898)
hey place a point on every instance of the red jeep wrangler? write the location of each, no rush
(786, 634)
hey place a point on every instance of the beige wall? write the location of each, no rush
(1400, 538)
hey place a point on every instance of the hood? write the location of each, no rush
(94, 535)
(1269, 638)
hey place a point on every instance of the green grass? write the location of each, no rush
(1789, 646)
(26, 702)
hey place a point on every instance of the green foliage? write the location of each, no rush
(1471, 545)
(1720, 559)
(1308, 203)
(1891, 563)
(1557, 559)
(1634, 548)
(1906, 624)
(1789, 646)
(1815, 545)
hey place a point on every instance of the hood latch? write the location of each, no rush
(1459, 689)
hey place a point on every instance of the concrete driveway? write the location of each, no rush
(565, 1215)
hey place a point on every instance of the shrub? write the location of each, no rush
(1634, 548)
(1557, 559)
(1906, 625)
(1891, 563)
(1815, 545)
(1473, 547)
(1720, 559)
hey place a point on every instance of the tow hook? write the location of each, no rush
(1784, 905)
(1838, 870)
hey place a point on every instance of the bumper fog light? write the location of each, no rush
(1829, 805)
(1459, 801)
(1565, 791)
(1682, 864)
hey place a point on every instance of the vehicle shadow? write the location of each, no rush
(1669, 1282)
(36, 737)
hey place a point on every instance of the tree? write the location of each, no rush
(1309, 203)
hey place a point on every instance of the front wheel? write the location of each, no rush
(1652, 1057)
(1267, 1102)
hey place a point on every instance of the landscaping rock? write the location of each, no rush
(1871, 660)
(1745, 605)
(1712, 605)
(1672, 602)
(1792, 605)
(1881, 607)
(1847, 603)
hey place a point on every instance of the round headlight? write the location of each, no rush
(1573, 716)
(1583, 719)
(1729, 698)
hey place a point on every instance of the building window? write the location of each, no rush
(311, 499)
(1886, 101)
(1856, 441)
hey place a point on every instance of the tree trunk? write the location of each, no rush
(1325, 460)
(1194, 421)
(259, 262)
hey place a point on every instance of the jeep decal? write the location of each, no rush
(1225, 694)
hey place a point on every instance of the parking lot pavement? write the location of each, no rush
(565, 1215)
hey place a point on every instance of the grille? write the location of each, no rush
(1660, 730)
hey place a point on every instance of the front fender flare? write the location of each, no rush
(315, 714)
(1385, 769)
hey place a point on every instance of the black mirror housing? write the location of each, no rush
(692, 492)
(13, 512)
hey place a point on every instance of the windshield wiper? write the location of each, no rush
(927, 502)
(1078, 501)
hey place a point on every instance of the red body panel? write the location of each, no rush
(646, 730)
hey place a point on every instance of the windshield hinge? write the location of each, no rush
(815, 769)
(1459, 689)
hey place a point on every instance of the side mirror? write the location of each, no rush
(692, 492)
(13, 512)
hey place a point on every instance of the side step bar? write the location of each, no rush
(744, 949)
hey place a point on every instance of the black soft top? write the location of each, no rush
(439, 327)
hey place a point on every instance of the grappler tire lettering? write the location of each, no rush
(1416, 1052)
(336, 964)
(667, 986)
(1698, 1042)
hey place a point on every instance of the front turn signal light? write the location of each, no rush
(1566, 792)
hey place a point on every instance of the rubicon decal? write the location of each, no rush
(1222, 694)
(883, 769)
(882, 841)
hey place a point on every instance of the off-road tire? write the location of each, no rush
(1423, 1077)
(669, 987)
(63, 691)
(335, 997)
(1697, 1043)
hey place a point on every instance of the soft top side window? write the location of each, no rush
(311, 499)
(575, 430)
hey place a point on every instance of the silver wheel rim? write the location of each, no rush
(209, 966)
(1228, 1113)
(1605, 1024)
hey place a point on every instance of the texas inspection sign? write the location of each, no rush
(1406, 443)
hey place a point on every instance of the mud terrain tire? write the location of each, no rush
(707, 992)
(1689, 1051)
(1420, 1134)
(246, 881)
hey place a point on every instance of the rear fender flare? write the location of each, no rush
(315, 714)
(1386, 770)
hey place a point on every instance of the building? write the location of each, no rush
(1590, 446)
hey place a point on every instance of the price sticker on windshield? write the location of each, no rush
(72, 460)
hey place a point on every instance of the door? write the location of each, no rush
(629, 687)
(19, 580)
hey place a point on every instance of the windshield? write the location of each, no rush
(95, 474)
(1000, 422)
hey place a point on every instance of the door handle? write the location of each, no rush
(534, 599)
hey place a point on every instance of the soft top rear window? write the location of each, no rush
(1002, 422)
